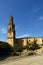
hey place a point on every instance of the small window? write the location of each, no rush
(10, 29)
(29, 40)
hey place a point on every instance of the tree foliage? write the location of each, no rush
(33, 46)
(17, 47)
(5, 48)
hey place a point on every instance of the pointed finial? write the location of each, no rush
(11, 18)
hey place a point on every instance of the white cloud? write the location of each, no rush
(23, 35)
(3, 30)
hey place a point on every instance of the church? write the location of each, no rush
(11, 37)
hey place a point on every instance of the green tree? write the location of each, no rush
(33, 46)
(18, 47)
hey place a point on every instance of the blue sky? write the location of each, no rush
(27, 14)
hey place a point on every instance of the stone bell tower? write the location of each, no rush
(11, 32)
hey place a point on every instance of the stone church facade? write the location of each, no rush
(11, 38)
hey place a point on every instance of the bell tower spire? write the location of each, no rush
(11, 32)
(11, 19)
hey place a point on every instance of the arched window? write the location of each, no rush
(10, 28)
